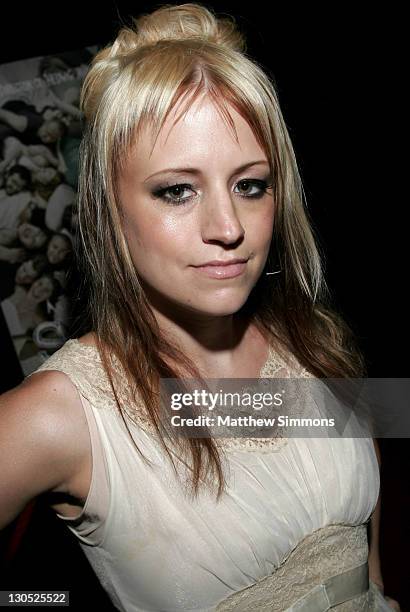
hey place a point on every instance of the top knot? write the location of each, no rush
(183, 23)
(178, 22)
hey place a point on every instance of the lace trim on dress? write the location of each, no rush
(90, 378)
(274, 367)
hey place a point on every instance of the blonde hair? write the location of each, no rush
(174, 54)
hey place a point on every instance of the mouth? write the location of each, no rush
(223, 269)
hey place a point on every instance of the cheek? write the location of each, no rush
(157, 235)
(259, 228)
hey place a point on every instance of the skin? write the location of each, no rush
(31, 236)
(44, 176)
(49, 131)
(40, 290)
(14, 183)
(57, 249)
(219, 222)
(26, 301)
(26, 273)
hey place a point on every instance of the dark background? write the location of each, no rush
(339, 75)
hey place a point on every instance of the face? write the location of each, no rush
(57, 249)
(26, 273)
(41, 289)
(44, 175)
(14, 183)
(31, 236)
(220, 212)
(49, 132)
(40, 160)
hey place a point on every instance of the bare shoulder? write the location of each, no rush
(44, 439)
(49, 399)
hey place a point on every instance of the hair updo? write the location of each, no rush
(179, 22)
(189, 22)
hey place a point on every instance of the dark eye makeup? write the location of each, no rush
(162, 191)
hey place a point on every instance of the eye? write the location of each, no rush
(174, 190)
(179, 188)
(261, 187)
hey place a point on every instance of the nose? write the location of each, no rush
(219, 218)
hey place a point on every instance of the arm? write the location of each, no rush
(12, 254)
(7, 235)
(375, 573)
(44, 151)
(374, 552)
(39, 432)
(17, 122)
(62, 196)
(64, 106)
(13, 148)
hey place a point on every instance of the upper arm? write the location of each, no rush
(377, 451)
(40, 445)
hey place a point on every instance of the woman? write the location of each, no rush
(178, 267)
(59, 249)
(25, 308)
(23, 274)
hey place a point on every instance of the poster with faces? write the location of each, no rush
(40, 134)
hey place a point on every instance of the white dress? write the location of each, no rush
(295, 511)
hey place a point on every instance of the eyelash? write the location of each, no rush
(161, 191)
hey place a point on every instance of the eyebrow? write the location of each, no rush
(196, 171)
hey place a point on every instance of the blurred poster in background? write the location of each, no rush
(40, 133)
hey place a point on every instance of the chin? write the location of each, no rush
(220, 307)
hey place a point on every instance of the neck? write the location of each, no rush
(209, 340)
(211, 334)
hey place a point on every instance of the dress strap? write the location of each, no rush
(334, 591)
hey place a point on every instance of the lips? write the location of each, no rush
(219, 263)
(223, 270)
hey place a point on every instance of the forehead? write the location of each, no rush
(35, 230)
(58, 239)
(50, 125)
(197, 133)
(27, 266)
